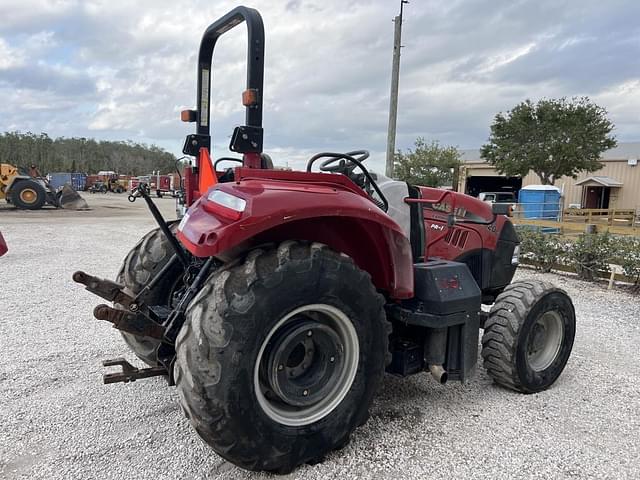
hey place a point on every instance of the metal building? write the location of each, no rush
(616, 185)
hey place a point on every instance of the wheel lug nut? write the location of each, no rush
(280, 367)
(332, 359)
(309, 333)
(305, 393)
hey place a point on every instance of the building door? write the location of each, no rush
(597, 197)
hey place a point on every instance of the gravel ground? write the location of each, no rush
(58, 421)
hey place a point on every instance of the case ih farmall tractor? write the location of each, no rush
(281, 298)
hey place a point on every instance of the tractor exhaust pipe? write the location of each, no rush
(439, 373)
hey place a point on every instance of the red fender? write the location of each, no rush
(331, 212)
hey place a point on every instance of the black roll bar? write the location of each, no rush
(255, 64)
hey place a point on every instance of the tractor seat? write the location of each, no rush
(229, 173)
(395, 192)
(408, 216)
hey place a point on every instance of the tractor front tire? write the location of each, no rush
(281, 355)
(28, 195)
(528, 336)
(144, 260)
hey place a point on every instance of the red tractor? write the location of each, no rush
(281, 298)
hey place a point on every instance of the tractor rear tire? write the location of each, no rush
(144, 260)
(280, 356)
(28, 195)
(528, 336)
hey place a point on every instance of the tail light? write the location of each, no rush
(224, 204)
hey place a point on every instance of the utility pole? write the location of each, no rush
(393, 101)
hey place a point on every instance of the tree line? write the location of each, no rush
(85, 155)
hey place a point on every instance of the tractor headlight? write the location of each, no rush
(515, 258)
(227, 200)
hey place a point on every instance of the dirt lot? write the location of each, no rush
(102, 206)
(57, 421)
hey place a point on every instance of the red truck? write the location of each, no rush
(159, 184)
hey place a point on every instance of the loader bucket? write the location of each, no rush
(70, 199)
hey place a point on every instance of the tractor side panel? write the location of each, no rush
(481, 240)
(276, 211)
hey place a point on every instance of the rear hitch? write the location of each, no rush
(129, 373)
(134, 320)
(134, 323)
(111, 291)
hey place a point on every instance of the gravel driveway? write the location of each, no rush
(57, 420)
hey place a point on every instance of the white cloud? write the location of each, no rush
(113, 69)
(10, 57)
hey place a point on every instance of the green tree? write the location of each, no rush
(82, 154)
(552, 137)
(428, 164)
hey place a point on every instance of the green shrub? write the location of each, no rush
(627, 255)
(540, 249)
(588, 255)
(592, 253)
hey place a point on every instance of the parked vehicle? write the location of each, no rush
(161, 184)
(111, 185)
(32, 193)
(136, 181)
(281, 298)
(497, 197)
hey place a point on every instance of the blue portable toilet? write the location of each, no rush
(540, 201)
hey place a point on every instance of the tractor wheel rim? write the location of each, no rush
(306, 365)
(544, 341)
(28, 195)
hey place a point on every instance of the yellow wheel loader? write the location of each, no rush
(29, 193)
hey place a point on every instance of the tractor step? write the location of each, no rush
(129, 373)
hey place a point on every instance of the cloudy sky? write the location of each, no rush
(113, 69)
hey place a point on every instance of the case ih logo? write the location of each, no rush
(446, 207)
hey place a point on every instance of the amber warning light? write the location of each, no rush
(250, 97)
(188, 115)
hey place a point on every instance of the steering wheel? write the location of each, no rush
(342, 163)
